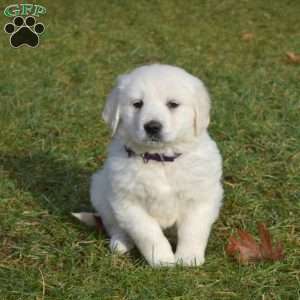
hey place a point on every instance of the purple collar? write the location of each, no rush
(152, 156)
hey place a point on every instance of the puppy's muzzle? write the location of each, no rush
(153, 129)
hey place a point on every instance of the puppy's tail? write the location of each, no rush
(87, 218)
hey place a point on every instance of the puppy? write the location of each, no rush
(163, 169)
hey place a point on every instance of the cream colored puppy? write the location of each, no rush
(163, 169)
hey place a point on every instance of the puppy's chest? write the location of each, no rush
(154, 187)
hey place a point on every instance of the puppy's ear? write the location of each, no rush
(201, 108)
(111, 111)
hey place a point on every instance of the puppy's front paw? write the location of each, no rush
(163, 261)
(161, 257)
(190, 260)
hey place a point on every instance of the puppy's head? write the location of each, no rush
(158, 104)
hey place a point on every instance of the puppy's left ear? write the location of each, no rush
(201, 107)
(111, 111)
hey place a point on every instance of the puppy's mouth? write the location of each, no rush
(153, 140)
(152, 143)
(157, 140)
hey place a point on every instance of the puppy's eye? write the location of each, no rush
(138, 104)
(172, 104)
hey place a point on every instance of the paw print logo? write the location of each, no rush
(24, 32)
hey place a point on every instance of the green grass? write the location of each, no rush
(52, 140)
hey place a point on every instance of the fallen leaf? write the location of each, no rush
(247, 250)
(293, 57)
(248, 36)
(266, 247)
(244, 249)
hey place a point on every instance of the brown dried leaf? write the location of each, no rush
(248, 36)
(293, 58)
(246, 249)
(232, 246)
(267, 250)
(265, 241)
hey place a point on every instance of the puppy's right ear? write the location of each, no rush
(111, 112)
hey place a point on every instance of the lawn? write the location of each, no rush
(52, 139)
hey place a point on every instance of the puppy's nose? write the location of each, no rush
(153, 128)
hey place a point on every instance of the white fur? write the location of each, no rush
(138, 200)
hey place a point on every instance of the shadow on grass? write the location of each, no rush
(55, 183)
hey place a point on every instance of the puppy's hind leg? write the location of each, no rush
(120, 242)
